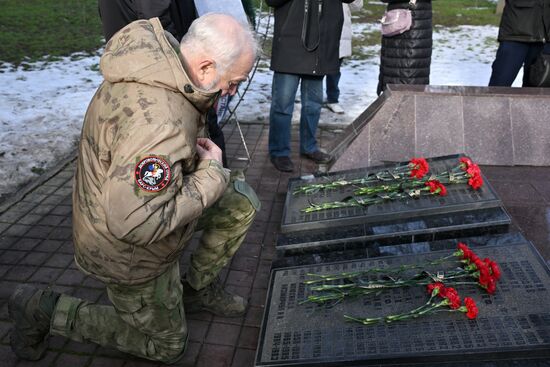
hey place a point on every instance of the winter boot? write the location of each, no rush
(213, 298)
(31, 310)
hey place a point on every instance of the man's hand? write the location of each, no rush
(207, 149)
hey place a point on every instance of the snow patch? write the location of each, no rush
(41, 111)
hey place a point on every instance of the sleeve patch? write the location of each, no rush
(152, 174)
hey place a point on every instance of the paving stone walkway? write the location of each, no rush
(36, 247)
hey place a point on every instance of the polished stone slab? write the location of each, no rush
(494, 236)
(492, 125)
(382, 144)
(459, 197)
(513, 326)
(438, 125)
(492, 112)
(407, 230)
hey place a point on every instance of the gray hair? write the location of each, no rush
(208, 36)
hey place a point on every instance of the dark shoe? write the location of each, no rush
(213, 298)
(283, 164)
(31, 310)
(318, 157)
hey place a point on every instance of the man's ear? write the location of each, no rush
(206, 67)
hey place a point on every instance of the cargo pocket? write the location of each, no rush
(244, 189)
(171, 312)
(124, 302)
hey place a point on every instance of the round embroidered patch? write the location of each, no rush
(152, 174)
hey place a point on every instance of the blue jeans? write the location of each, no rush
(331, 81)
(511, 56)
(283, 93)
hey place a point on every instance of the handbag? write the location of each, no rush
(539, 71)
(397, 21)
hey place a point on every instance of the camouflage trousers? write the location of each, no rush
(148, 320)
(224, 227)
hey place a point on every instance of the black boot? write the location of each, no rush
(31, 310)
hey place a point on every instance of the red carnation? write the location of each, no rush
(495, 270)
(472, 170)
(471, 308)
(436, 187)
(443, 190)
(432, 286)
(447, 292)
(484, 274)
(484, 279)
(487, 278)
(491, 286)
(466, 252)
(452, 296)
(465, 162)
(419, 167)
(475, 181)
(480, 264)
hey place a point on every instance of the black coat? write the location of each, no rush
(525, 21)
(176, 16)
(406, 58)
(306, 45)
(115, 14)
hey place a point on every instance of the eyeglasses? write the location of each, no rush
(235, 83)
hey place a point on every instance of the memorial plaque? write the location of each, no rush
(460, 197)
(512, 324)
(404, 230)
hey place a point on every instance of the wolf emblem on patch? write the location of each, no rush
(152, 174)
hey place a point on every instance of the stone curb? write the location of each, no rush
(27, 188)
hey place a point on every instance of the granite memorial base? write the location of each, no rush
(460, 197)
(512, 327)
(398, 231)
(494, 125)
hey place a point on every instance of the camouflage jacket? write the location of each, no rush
(139, 187)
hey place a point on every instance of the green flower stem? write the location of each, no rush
(397, 173)
(338, 292)
(427, 308)
(334, 205)
(372, 190)
(401, 187)
(401, 174)
(365, 321)
(366, 201)
(392, 271)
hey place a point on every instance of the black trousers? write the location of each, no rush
(216, 133)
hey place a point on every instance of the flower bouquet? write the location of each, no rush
(442, 299)
(407, 181)
(462, 267)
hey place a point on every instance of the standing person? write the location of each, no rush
(406, 58)
(146, 179)
(524, 27)
(305, 48)
(332, 80)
